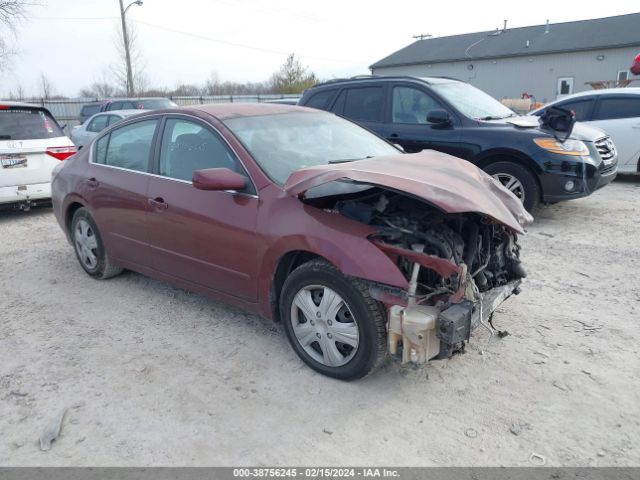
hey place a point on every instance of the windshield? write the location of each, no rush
(472, 102)
(284, 143)
(27, 124)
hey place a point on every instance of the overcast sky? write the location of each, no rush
(72, 41)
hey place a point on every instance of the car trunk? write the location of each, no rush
(31, 145)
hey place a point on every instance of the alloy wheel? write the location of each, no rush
(511, 183)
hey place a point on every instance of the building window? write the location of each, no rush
(623, 75)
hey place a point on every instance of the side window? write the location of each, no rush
(101, 150)
(321, 99)
(97, 124)
(582, 108)
(113, 119)
(114, 106)
(619, 107)
(411, 105)
(364, 104)
(126, 106)
(128, 146)
(189, 146)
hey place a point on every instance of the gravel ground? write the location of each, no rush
(154, 375)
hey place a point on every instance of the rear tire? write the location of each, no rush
(519, 180)
(89, 247)
(343, 337)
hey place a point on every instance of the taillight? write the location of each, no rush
(61, 153)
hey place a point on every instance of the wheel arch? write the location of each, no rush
(356, 258)
(287, 263)
(70, 211)
(514, 156)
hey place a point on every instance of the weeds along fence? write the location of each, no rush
(67, 111)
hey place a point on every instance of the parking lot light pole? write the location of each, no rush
(125, 38)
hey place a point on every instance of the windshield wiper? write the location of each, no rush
(347, 160)
(5, 137)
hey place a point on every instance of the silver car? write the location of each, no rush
(82, 135)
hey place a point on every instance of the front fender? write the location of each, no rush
(339, 240)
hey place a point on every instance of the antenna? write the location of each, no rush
(504, 29)
(422, 36)
(546, 30)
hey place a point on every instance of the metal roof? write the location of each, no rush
(595, 34)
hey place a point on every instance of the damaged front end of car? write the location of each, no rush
(460, 268)
(449, 228)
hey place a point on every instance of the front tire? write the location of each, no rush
(89, 248)
(518, 180)
(332, 322)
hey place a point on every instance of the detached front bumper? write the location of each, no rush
(425, 332)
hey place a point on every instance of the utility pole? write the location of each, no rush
(125, 38)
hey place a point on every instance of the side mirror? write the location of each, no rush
(439, 117)
(218, 179)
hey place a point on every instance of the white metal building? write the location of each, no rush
(546, 61)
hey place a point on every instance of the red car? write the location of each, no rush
(303, 217)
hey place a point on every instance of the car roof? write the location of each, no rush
(125, 112)
(20, 104)
(603, 91)
(390, 78)
(224, 111)
(135, 98)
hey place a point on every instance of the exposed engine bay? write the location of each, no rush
(460, 267)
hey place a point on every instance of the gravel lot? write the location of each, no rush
(154, 375)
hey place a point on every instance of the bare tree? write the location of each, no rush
(11, 12)
(293, 77)
(17, 94)
(46, 87)
(119, 69)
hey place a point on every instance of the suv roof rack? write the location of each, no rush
(384, 77)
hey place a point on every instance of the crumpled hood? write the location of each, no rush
(450, 183)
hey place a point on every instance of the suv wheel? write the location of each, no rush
(518, 180)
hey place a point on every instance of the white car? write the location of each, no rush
(83, 134)
(617, 112)
(31, 145)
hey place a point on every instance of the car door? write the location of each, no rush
(408, 125)
(582, 107)
(204, 237)
(619, 116)
(116, 186)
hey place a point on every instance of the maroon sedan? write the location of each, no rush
(302, 217)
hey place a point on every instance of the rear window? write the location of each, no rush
(27, 124)
(89, 110)
(362, 103)
(321, 99)
(620, 107)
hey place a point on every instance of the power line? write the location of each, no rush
(233, 44)
(73, 18)
(200, 37)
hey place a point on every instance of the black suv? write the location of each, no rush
(454, 117)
